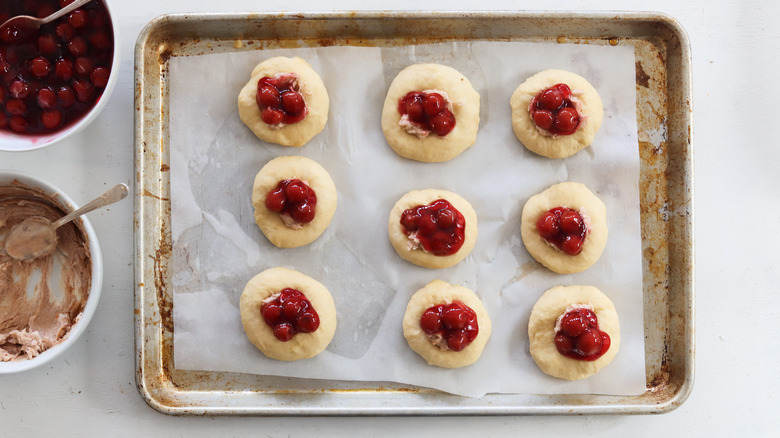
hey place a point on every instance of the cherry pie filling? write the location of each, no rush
(438, 228)
(450, 326)
(280, 100)
(577, 334)
(428, 111)
(565, 228)
(288, 313)
(294, 200)
(52, 76)
(554, 111)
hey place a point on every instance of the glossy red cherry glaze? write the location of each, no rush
(563, 227)
(455, 324)
(439, 227)
(289, 312)
(428, 111)
(294, 198)
(280, 100)
(579, 336)
(51, 77)
(553, 110)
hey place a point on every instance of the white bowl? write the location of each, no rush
(13, 142)
(6, 178)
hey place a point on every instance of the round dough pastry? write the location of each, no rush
(418, 256)
(439, 292)
(311, 88)
(302, 345)
(577, 197)
(271, 223)
(465, 107)
(541, 331)
(556, 146)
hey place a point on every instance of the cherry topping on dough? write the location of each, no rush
(280, 99)
(439, 227)
(579, 336)
(455, 324)
(563, 227)
(289, 312)
(553, 110)
(36, 63)
(293, 198)
(427, 111)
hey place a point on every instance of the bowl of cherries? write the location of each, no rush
(56, 79)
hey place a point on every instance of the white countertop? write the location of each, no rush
(91, 389)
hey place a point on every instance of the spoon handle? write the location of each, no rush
(114, 194)
(65, 10)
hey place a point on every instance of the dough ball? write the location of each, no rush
(311, 88)
(302, 345)
(541, 331)
(271, 223)
(560, 146)
(577, 197)
(465, 107)
(435, 293)
(402, 243)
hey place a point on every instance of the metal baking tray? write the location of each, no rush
(663, 85)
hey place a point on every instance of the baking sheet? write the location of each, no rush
(217, 247)
(664, 129)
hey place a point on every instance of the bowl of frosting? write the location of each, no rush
(46, 303)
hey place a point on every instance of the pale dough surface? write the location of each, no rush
(418, 256)
(311, 88)
(575, 196)
(302, 345)
(465, 102)
(556, 146)
(271, 223)
(541, 331)
(439, 292)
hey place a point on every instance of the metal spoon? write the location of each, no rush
(36, 236)
(32, 23)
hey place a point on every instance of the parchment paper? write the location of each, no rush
(218, 248)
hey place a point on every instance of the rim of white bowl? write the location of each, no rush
(21, 143)
(8, 176)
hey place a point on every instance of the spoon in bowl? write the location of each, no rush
(28, 23)
(36, 236)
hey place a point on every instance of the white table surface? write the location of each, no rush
(91, 389)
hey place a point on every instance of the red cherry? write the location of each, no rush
(567, 120)
(271, 116)
(271, 312)
(64, 31)
(83, 66)
(66, 97)
(51, 119)
(78, 18)
(433, 103)
(572, 244)
(100, 40)
(543, 119)
(571, 222)
(292, 102)
(551, 99)
(19, 89)
(563, 343)
(415, 110)
(46, 98)
(16, 107)
(99, 76)
(275, 201)
(454, 317)
(19, 124)
(410, 220)
(573, 324)
(77, 46)
(84, 90)
(292, 308)
(589, 342)
(268, 95)
(308, 321)
(564, 89)
(304, 213)
(3, 120)
(296, 191)
(63, 69)
(548, 225)
(443, 123)
(47, 44)
(457, 341)
(430, 321)
(284, 331)
(446, 218)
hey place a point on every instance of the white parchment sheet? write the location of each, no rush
(218, 248)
